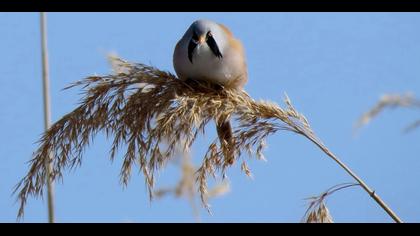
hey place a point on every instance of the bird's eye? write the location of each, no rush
(209, 34)
(195, 36)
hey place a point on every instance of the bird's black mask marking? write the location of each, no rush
(213, 45)
(210, 42)
(192, 45)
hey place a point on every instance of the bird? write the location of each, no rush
(208, 51)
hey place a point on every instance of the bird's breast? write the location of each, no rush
(206, 66)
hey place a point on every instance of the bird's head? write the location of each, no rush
(205, 33)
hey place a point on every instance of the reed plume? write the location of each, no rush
(317, 211)
(391, 101)
(150, 112)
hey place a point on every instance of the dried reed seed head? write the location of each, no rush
(149, 112)
(389, 101)
(319, 214)
(317, 211)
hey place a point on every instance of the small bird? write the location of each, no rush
(208, 51)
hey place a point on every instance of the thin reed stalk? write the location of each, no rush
(47, 113)
(371, 192)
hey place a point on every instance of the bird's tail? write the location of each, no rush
(224, 131)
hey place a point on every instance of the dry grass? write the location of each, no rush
(187, 186)
(150, 112)
(317, 211)
(390, 101)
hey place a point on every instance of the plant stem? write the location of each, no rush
(371, 192)
(47, 112)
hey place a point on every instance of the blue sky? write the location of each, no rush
(333, 66)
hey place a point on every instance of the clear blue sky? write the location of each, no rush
(333, 66)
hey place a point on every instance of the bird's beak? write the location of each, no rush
(202, 39)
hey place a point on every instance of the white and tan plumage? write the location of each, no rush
(228, 69)
(209, 51)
